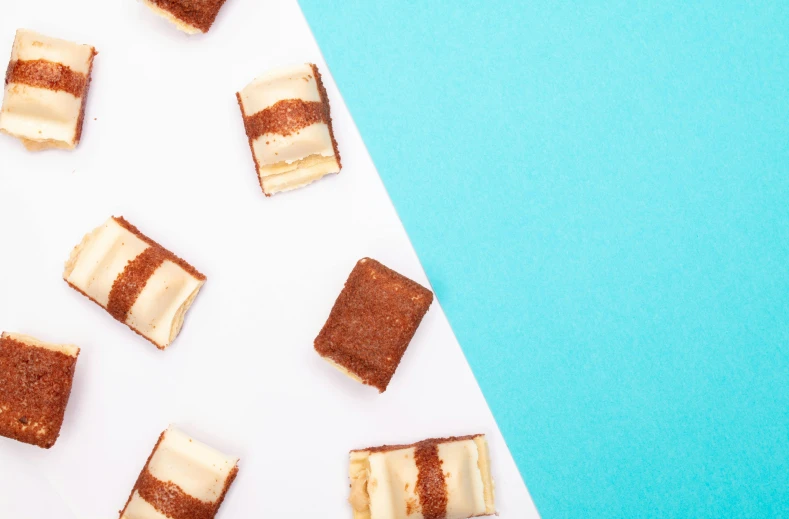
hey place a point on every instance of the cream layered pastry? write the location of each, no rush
(46, 87)
(442, 478)
(137, 281)
(183, 479)
(35, 385)
(190, 16)
(288, 122)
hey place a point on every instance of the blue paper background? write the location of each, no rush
(599, 192)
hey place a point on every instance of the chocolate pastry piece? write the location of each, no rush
(190, 16)
(137, 281)
(182, 479)
(372, 323)
(288, 123)
(46, 88)
(35, 385)
(440, 478)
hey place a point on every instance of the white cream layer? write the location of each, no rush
(276, 150)
(39, 114)
(383, 484)
(159, 310)
(296, 82)
(31, 46)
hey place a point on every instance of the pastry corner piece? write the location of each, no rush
(372, 323)
(446, 478)
(35, 385)
(182, 478)
(138, 282)
(190, 16)
(288, 122)
(46, 88)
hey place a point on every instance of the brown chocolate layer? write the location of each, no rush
(327, 110)
(169, 499)
(35, 385)
(284, 118)
(130, 284)
(78, 132)
(251, 142)
(197, 13)
(431, 487)
(47, 74)
(373, 321)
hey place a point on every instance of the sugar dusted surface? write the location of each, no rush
(35, 385)
(373, 321)
(275, 267)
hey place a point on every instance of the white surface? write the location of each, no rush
(168, 151)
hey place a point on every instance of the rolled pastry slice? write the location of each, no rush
(137, 281)
(288, 122)
(442, 478)
(46, 88)
(183, 479)
(190, 16)
(35, 385)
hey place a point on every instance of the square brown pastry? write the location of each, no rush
(35, 385)
(372, 323)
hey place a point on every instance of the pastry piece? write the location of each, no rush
(35, 384)
(444, 478)
(182, 479)
(46, 88)
(372, 323)
(288, 122)
(190, 16)
(135, 279)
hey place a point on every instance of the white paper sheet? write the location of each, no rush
(164, 146)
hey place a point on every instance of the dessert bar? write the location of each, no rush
(372, 323)
(444, 478)
(35, 385)
(182, 479)
(288, 123)
(135, 279)
(46, 87)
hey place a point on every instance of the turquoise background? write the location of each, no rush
(599, 192)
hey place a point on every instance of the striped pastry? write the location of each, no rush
(288, 122)
(441, 478)
(137, 281)
(46, 86)
(183, 479)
